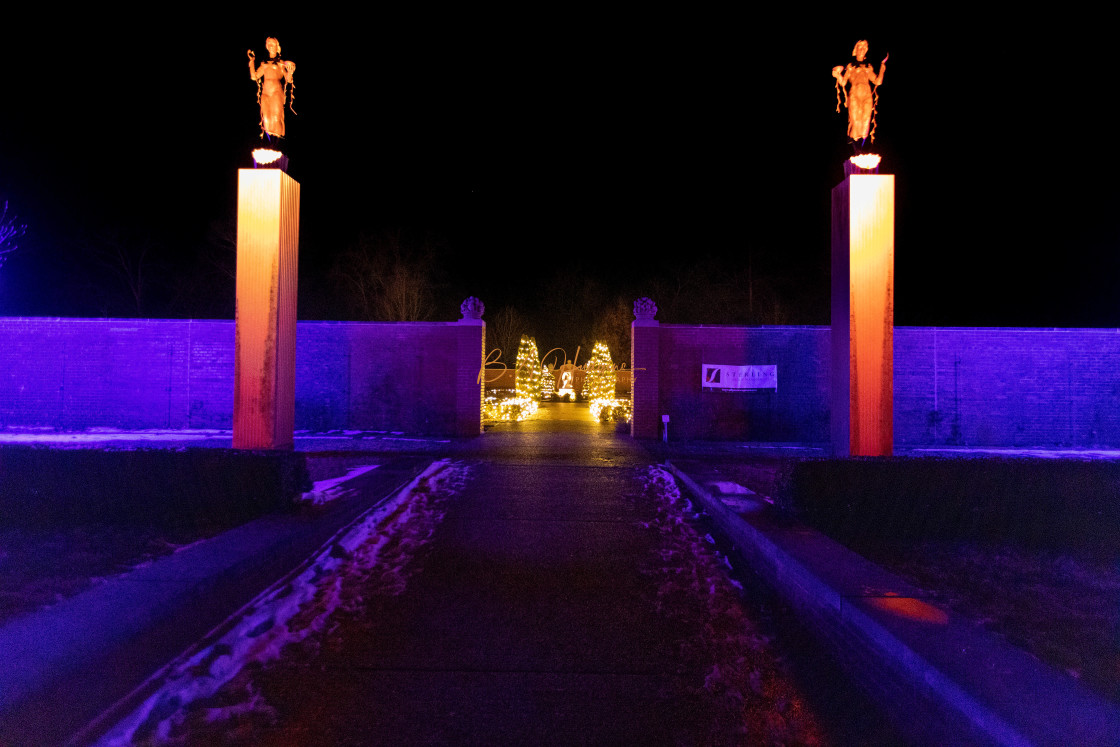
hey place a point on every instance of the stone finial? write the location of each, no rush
(645, 308)
(472, 308)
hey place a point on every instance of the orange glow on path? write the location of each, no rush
(911, 609)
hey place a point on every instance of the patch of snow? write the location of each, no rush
(327, 490)
(103, 435)
(1044, 453)
(286, 613)
(731, 488)
(108, 434)
(180, 548)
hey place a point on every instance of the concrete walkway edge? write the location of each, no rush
(896, 667)
(118, 710)
(131, 625)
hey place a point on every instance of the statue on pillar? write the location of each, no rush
(860, 86)
(275, 87)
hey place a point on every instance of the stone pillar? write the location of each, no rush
(863, 315)
(265, 351)
(645, 393)
(470, 387)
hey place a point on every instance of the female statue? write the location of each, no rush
(860, 99)
(274, 78)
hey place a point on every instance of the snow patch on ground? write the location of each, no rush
(287, 613)
(101, 435)
(731, 488)
(741, 672)
(211, 437)
(1044, 453)
(327, 490)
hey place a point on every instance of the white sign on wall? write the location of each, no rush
(738, 378)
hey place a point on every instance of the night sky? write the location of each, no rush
(525, 145)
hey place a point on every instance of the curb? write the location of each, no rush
(100, 729)
(946, 681)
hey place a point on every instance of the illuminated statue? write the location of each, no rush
(274, 79)
(862, 96)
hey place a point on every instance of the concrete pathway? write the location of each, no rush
(558, 602)
(561, 599)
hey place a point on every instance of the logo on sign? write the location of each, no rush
(739, 378)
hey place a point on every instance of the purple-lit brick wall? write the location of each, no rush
(83, 373)
(1007, 386)
(967, 386)
(796, 411)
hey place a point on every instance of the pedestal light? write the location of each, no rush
(863, 314)
(862, 274)
(267, 265)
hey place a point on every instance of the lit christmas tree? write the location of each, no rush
(528, 386)
(598, 379)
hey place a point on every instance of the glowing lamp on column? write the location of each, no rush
(866, 161)
(268, 158)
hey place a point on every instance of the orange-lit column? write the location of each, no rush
(863, 315)
(267, 261)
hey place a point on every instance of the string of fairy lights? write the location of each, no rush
(548, 383)
(534, 382)
(598, 386)
(528, 386)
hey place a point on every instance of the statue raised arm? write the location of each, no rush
(860, 86)
(275, 83)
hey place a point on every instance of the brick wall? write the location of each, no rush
(1007, 386)
(82, 373)
(966, 386)
(796, 411)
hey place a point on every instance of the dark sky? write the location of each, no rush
(625, 145)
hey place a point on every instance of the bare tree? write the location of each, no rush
(10, 232)
(574, 300)
(709, 291)
(129, 261)
(504, 330)
(122, 273)
(386, 278)
(220, 250)
(612, 327)
(205, 286)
